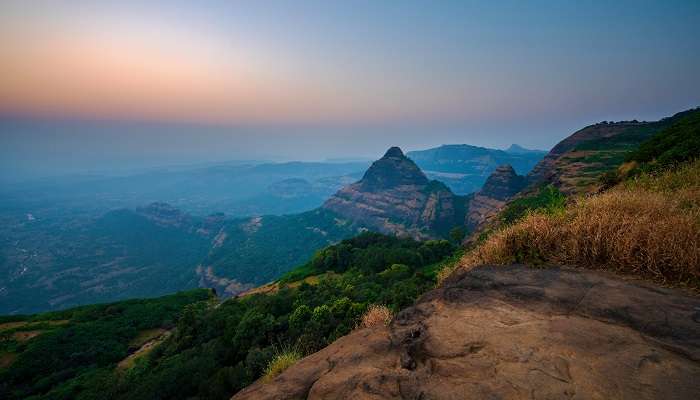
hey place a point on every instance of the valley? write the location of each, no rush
(80, 240)
(413, 301)
(366, 200)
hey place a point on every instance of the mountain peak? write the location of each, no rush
(392, 170)
(395, 197)
(394, 152)
(503, 183)
(517, 149)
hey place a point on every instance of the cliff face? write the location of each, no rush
(503, 184)
(556, 168)
(513, 333)
(575, 164)
(395, 197)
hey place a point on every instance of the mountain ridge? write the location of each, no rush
(464, 168)
(395, 196)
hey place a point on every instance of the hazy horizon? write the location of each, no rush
(117, 85)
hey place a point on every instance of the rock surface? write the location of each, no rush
(512, 333)
(501, 185)
(395, 197)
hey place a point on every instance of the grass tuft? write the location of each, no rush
(283, 359)
(376, 315)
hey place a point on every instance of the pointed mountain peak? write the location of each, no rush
(394, 152)
(503, 183)
(392, 170)
(516, 148)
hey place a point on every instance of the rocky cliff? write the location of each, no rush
(576, 163)
(513, 333)
(501, 185)
(394, 196)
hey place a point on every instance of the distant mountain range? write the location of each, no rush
(393, 196)
(238, 190)
(71, 252)
(465, 168)
(321, 286)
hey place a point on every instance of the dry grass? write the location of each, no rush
(12, 325)
(376, 315)
(281, 362)
(146, 336)
(649, 227)
(146, 347)
(23, 336)
(6, 359)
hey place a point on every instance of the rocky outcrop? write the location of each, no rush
(391, 171)
(395, 197)
(513, 333)
(165, 215)
(503, 184)
(575, 164)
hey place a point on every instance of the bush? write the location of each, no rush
(676, 144)
(548, 199)
(376, 315)
(649, 227)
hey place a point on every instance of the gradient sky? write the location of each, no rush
(90, 84)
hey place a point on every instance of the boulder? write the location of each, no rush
(512, 332)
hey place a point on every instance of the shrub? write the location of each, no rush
(649, 227)
(376, 315)
(280, 362)
(548, 199)
(678, 143)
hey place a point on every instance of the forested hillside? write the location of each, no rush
(188, 346)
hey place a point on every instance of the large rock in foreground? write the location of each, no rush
(514, 333)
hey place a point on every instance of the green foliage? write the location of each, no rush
(119, 255)
(372, 252)
(282, 361)
(676, 144)
(630, 138)
(75, 356)
(258, 253)
(548, 199)
(215, 351)
(457, 234)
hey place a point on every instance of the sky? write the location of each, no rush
(88, 85)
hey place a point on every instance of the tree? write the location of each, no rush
(457, 234)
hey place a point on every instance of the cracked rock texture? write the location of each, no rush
(512, 333)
